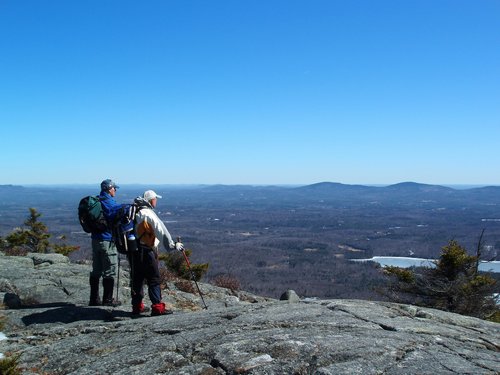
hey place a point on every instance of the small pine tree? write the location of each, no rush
(176, 263)
(453, 285)
(33, 238)
(37, 233)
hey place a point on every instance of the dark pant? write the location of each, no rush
(144, 266)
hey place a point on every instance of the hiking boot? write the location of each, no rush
(139, 309)
(94, 292)
(108, 284)
(160, 309)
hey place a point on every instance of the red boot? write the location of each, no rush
(139, 308)
(159, 309)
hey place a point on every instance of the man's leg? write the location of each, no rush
(110, 260)
(137, 282)
(152, 273)
(96, 273)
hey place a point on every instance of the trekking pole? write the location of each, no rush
(192, 275)
(118, 277)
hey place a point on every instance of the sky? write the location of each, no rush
(250, 92)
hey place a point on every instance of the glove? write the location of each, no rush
(179, 246)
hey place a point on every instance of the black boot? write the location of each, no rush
(94, 291)
(108, 284)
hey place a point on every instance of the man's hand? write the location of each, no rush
(179, 246)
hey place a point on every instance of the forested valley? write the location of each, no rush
(274, 238)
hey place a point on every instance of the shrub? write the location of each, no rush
(65, 249)
(402, 274)
(177, 264)
(16, 251)
(495, 317)
(34, 237)
(227, 281)
(453, 285)
(9, 365)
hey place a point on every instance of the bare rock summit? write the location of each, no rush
(239, 333)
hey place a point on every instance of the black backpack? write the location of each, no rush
(123, 229)
(91, 215)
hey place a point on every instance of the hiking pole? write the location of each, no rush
(118, 277)
(192, 275)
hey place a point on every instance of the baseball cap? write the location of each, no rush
(150, 194)
(108, 184)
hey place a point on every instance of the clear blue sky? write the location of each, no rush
(250, 92)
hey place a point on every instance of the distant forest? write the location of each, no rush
(274, 238)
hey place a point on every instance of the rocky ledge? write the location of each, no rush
(238, 334)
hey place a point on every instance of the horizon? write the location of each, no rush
(453, 186)
(264, 92)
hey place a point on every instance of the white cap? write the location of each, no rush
(150, 195)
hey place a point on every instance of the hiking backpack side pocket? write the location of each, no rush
(123, 230)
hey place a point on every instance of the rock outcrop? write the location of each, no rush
(239, 333)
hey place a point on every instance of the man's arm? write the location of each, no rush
(162, 233)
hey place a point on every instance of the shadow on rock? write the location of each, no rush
(72, 313)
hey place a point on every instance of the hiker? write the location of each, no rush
(152, 235)
(104, 255)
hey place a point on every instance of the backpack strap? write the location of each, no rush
(138, 208)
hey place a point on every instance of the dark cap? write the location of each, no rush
(108, 184)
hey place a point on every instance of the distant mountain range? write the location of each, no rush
(405, 191)
(327, 186)
(410, 192)
(399, 187)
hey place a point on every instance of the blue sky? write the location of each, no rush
(250, 92)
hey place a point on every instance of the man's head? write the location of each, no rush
(109, 186)
(151, 197)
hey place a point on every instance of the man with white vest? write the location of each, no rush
(152, 235)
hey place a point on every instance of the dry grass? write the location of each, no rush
(227, 281)
(185, 286)
(166, 276)
(16, 251)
